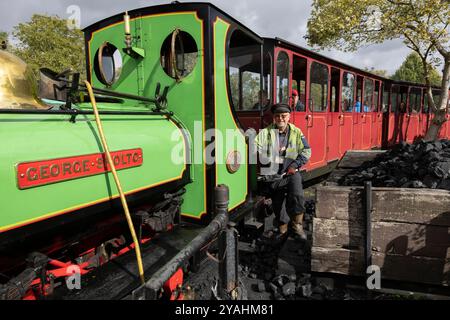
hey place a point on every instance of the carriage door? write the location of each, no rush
(358, 115)
(367, 114)
(317, 113)
(346, 116)
(333, 115)
(299, 71)
(413, 116)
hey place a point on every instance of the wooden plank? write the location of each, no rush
(424, 206)
(337, 260)
(337, 202)
(355, 158)
(411, 239)
(395, 267)
(387, 237)
(328, 233)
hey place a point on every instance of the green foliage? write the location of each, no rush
(349, 24)
(250, 89)
(47, 41)
(423, 25)
(3, 36)
(381, 73)
(412, 70)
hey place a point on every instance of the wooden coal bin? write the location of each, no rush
(409, 229)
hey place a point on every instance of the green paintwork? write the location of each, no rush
(140, 76)
(139, 52)
(237, 182)
(43, 137)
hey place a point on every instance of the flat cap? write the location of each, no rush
(280, 108)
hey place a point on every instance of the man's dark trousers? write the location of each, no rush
(287, 197)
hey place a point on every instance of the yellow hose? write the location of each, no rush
(116, 179)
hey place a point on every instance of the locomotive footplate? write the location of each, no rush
(118, 278)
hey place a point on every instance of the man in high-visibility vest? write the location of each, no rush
(283, 150)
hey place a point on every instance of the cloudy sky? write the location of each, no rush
(287, 19)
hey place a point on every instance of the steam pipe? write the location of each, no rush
(156, 282)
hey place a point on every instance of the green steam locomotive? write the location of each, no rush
(162, 86)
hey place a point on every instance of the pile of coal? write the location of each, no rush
(419, 165)
(305, 287)
(262, 261)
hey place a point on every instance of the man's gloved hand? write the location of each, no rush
(291, 171)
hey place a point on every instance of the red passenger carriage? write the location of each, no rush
(342, 107)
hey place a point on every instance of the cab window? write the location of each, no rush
(244, 72)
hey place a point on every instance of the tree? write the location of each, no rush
(3, 40)
(423, 25)
(47, 41)
(381, 73)
(3, 36)
(412, 70)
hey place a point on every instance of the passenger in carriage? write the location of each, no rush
(366, 107)
(297, 105)
(357, 107)
(402, 108)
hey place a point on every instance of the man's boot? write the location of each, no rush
(297, 226)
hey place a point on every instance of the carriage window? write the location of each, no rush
(348, 92)
(385, 105)
(394, 99)
(359, 94)
(282, 78)
(403, 97)
(414, 100)
(244, 72)
(436, 97)
(335, 85)
(368, 95)
(299, 82)
(376, 100)
(425, 102)
(319, 86)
